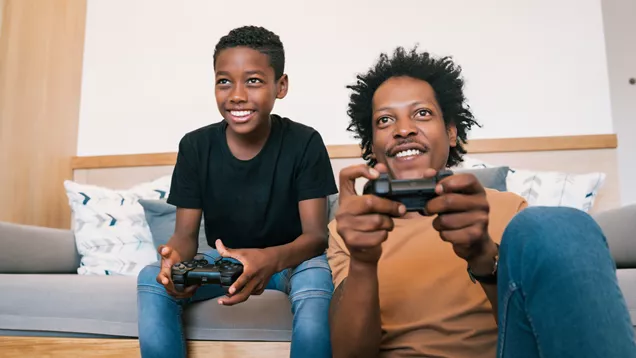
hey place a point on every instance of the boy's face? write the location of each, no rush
(246, 88)
(409, 134)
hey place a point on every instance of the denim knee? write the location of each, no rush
(311, 279)
(554, 235)
(148, 276)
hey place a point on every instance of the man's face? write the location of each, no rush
(246, 88)
(409, 134)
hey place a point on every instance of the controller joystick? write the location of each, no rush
(413, 193)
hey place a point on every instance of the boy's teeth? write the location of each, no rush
(240, 113)
(408, 153)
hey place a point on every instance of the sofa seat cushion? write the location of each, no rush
(107, 305)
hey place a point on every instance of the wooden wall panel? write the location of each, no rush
(41, 50)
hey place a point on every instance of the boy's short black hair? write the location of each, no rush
(441, 73)
(257, 38)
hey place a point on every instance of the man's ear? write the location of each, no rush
(452, 134)
(282, 86)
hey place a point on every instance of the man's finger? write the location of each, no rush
(365, 240)
(369, 222)
(349, 175)
(465, 236)
(452, 202)
(460, 220)
(373, 204)
(460, 183)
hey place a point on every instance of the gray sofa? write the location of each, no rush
(42, 295)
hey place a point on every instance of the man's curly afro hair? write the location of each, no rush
(259, 39)
(441, 73)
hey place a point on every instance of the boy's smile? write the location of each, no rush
(246, 89)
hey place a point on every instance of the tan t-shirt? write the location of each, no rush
(429, 306)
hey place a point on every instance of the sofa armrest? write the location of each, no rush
(619, 226)
(32, 249)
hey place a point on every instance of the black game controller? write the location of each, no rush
(200, 272)
(413, 193)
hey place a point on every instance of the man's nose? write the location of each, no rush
(404, 127)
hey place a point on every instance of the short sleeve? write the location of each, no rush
(185, 190)
(315, 177)
(337, 256)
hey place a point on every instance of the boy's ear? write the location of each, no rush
(452, 134)
(282, 86)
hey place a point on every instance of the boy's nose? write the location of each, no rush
(238, 94)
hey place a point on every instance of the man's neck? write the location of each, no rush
(247, 146)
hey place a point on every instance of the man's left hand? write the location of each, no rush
(462, 220)
(258, 268)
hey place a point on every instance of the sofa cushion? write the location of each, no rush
(161, 218)
(111, 232)
(34, 249)
(107, 305)
(492, 178)
(619, 227)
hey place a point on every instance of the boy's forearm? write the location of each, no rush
(354, 314)
(185, 246)
(296, 252)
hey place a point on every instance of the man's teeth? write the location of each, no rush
(408, 153)
(240, 113)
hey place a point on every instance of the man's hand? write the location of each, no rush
(169, 257)
(462, 220)
(364, 221)
(258, 267)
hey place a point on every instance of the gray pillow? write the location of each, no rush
(492, 178)
(161, 218)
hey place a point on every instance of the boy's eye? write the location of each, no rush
(254, 81)
(222, 81)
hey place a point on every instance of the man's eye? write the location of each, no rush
(424, 112)
(383, 121)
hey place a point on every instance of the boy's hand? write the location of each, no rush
(169, 257)
(258, 268)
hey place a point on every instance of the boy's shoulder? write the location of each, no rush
(296, 131)
(203, 133)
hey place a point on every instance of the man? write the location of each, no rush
(438, 284)
(261, 181)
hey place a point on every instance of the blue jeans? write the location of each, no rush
(558, 295)
(309, 287)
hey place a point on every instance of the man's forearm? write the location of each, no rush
(296, 252)
(354, 314)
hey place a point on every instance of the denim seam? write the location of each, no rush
(152, 289)
(309, 294)
(512, 288)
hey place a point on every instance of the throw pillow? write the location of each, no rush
(492, 177)
(111, 232)
(161, 218)
(550, 188)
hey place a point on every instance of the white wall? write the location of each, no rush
(620, 29)
(534, 67)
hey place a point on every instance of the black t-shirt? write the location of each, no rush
(252, 203)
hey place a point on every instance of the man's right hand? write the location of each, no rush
(364, 221)
(169, 257)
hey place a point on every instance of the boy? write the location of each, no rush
(261, 181)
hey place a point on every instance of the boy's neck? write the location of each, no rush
(247, 146)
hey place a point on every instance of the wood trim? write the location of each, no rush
(534, 144)
(54, 347)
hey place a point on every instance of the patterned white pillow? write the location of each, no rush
(111, 232)
(549, 188)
